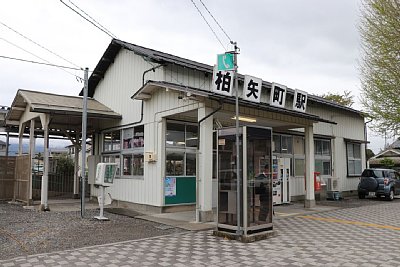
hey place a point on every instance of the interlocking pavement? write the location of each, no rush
(364, 236)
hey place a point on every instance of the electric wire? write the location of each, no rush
(41, 46)
(91, 22)
(98, 23)
(216, 36)
(227, 36)
(17, 46)
(41, 63)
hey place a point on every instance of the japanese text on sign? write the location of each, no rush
(278, 95)
(300, 101)
(222, 82)
(252, 88)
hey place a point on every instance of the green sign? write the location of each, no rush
(225, 61)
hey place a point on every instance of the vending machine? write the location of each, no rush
(280, 180)
(284, 171)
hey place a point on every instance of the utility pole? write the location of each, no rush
(83, 143)
(238, 174)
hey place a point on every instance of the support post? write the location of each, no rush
(204, 162)
(32, 155)
(45, 179)
(309, 143)
(83, 143)
(7, 142)
(238, 174)
(76, 167)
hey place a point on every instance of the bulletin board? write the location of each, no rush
(179, 190)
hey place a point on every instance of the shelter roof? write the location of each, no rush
(65, 111)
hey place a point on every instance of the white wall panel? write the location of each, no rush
(122, 79)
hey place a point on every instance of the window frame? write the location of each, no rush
(348, 159)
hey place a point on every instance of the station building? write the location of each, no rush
(166, 141)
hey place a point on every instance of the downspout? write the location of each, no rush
(365, 138)
(197, 159)
(141, 108)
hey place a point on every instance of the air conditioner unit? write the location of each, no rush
(332, 184)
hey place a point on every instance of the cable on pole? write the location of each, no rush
(216, 36)
(91, 22)
(41, 46)
(40, 63)
(17, 46)
(98, 23)
(227, 36)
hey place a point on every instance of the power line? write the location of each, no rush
(17, 46)
(227, 36)
(91, 22)
(98, 23)
(216, 36)
(41, 63)
(41, 46)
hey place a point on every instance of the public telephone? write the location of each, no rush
(105, 173)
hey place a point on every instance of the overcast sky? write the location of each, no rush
(311, 45)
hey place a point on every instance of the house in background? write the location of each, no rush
(388, 158)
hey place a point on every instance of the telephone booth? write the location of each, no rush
(255, 210)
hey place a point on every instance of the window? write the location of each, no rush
(322, 154)
(283, 144)
(130, 157)
(322, 147)
(112, 141)
(298, 145)
(354, 166)
(181, 144)
(299, 167)
(174, 163)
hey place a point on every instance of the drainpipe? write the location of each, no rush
(365, 138)
(197, 159)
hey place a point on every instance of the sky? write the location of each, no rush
(311, 45)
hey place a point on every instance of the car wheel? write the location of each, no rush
(390, 197)
(361, 195)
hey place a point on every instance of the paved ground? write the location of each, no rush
(363, 236)
(24, 232)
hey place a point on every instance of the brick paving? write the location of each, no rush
(361, 236)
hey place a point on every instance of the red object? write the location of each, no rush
(317, 181)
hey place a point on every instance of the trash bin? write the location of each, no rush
(319, 186)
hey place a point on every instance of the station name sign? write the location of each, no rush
(222, 83)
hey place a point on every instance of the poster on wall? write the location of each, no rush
(170, 186)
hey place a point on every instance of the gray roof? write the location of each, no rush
(165, 58)
(65, 111)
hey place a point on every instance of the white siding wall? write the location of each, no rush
(122, 79)
(349, 126)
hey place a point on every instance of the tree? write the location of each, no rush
(346, 99)
(380, 64)
(369, 153)
(387, 162)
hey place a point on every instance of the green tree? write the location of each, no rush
(65, 165)
(369, 153)
(346, 99)
(380, 64)
(386, 162)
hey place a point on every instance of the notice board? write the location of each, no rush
(179, 190)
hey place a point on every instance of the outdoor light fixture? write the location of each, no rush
(246, 119)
